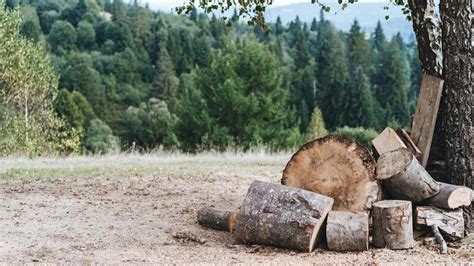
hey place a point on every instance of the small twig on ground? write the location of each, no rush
(188, 237)
(440, 240)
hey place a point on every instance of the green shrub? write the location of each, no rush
(362, 135)
(99, 139)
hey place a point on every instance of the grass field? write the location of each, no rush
(125, 208)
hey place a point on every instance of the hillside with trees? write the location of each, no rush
(125, 77)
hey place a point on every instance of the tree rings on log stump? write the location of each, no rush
(336, 167)
(393, 224)
(404, 177)
(347, 231)
(282, 216)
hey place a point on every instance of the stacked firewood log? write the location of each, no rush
(333, 189)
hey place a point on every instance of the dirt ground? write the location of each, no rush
(125, 208)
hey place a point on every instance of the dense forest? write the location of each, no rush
(125, 77)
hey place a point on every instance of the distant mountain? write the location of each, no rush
(366, 13)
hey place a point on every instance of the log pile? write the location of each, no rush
(332, 187)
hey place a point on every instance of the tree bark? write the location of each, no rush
(336, 167)
(282, 216)
(347, 231)
(404, 177)
(393, 224)
(458, 100)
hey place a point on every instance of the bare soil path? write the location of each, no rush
(125, 208)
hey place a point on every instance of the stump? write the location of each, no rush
(393, 225)
(282, 216)
(338, 168)
(217, 219)
(404, 177)
(450, 222)
(347, 231)
(450, 197)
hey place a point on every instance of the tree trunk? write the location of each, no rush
(458, 100)
(347, 231)
(282, 216)
(404, 177)
(393, 224)
(336, 167)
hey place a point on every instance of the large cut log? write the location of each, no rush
(424, 120)
(217, 219)
(411, 146)
(336, 167)
(404, 177)
(282, 216)
(347, 231)
(450, 197)
(450, 222)
(392, 224)
(387, 141)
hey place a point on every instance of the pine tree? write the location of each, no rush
(279, 27)
(316, 128)
(314, 25)
(358, 49)
(166, 82)
(332, 75)
(378, 38)
(391, 84)
(360, 111)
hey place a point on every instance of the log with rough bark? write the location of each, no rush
(336, 167)
(451, 197)
(217, 219)
(405, 137)
(450, 222)
(404, 177)
(347, 231)
(282, 216)
(392, 224)
(387, 141)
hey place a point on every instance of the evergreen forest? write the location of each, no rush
(95, 76)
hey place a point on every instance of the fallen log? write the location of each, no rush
(338, 168)
(347, 231)
(217, 219)
(450, 222)
(392, 224)
(282, 216)
(404, 177)
(387, 141)
(450, 197)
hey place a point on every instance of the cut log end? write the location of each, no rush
(393, 162)
(336, 167)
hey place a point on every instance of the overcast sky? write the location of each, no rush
(169, 4)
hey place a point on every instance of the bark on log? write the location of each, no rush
(404, 177)
(449, 221)
(347, 231)
(336, 167)
(451, 197)
(393, 224)
(282, 216)
(217, 219)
